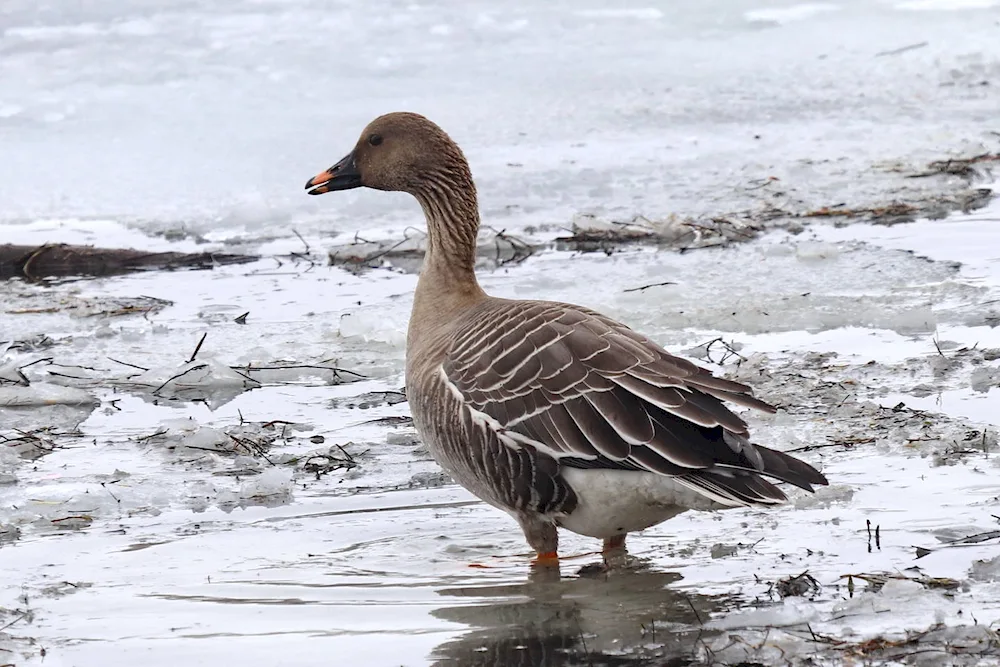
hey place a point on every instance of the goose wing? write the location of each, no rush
(591, 393)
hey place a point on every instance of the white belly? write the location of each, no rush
(614, 502)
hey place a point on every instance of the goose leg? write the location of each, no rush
(543, 538)
(614, 557)
(614, 551)
(614, 543)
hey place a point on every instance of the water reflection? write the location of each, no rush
(56, 418)
(628, 617)
(211, 397)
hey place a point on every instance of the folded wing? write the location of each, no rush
(592, 393)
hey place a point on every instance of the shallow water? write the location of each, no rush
(169, 500)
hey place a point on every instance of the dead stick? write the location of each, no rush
(198, 347)
(125, 363)
(646, 287)
(296, 232)
(180, 375)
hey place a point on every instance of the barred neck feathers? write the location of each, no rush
(448, 197)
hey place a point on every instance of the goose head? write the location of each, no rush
(402, 152)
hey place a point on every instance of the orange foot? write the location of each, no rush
(548, 558)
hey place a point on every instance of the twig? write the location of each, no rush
(520, 249)
(956, 166)
(181, 374)
(125, 363)
(937, 345)
(21, 616)
(347, 456)
(109, 492)
(334, 369)
(583, 642)
(691, 604)
(729, 351)
(239, 372)
(36, 361)
(252, 446)
(902, 49)
(840, 443)
(296, 232)
(75, 517)
(646, 287)
(970, 540)
(63, 375)
(198, 347)
(205, 449)
(274, 422)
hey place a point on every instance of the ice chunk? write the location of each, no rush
(902, 589)
(42, 393)
(206, 438)
(372, 325)
(207, 373)
(984, 379)
(790, 611)
(912, 321)
(816, 252)
(181, 424)
(10, 372)
(187, 432)
(825, 496)
(986, 570)
(272, 483)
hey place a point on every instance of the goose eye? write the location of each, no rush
(375, 139)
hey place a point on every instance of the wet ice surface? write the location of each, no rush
(273, 504)
(266, 500)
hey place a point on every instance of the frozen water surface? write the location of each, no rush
(179, 487)
(209, 116)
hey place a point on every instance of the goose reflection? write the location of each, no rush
(623, 617)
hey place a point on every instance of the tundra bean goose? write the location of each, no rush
(554, 413)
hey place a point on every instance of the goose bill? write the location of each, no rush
(342, 176)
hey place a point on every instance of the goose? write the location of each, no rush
(554, 413)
